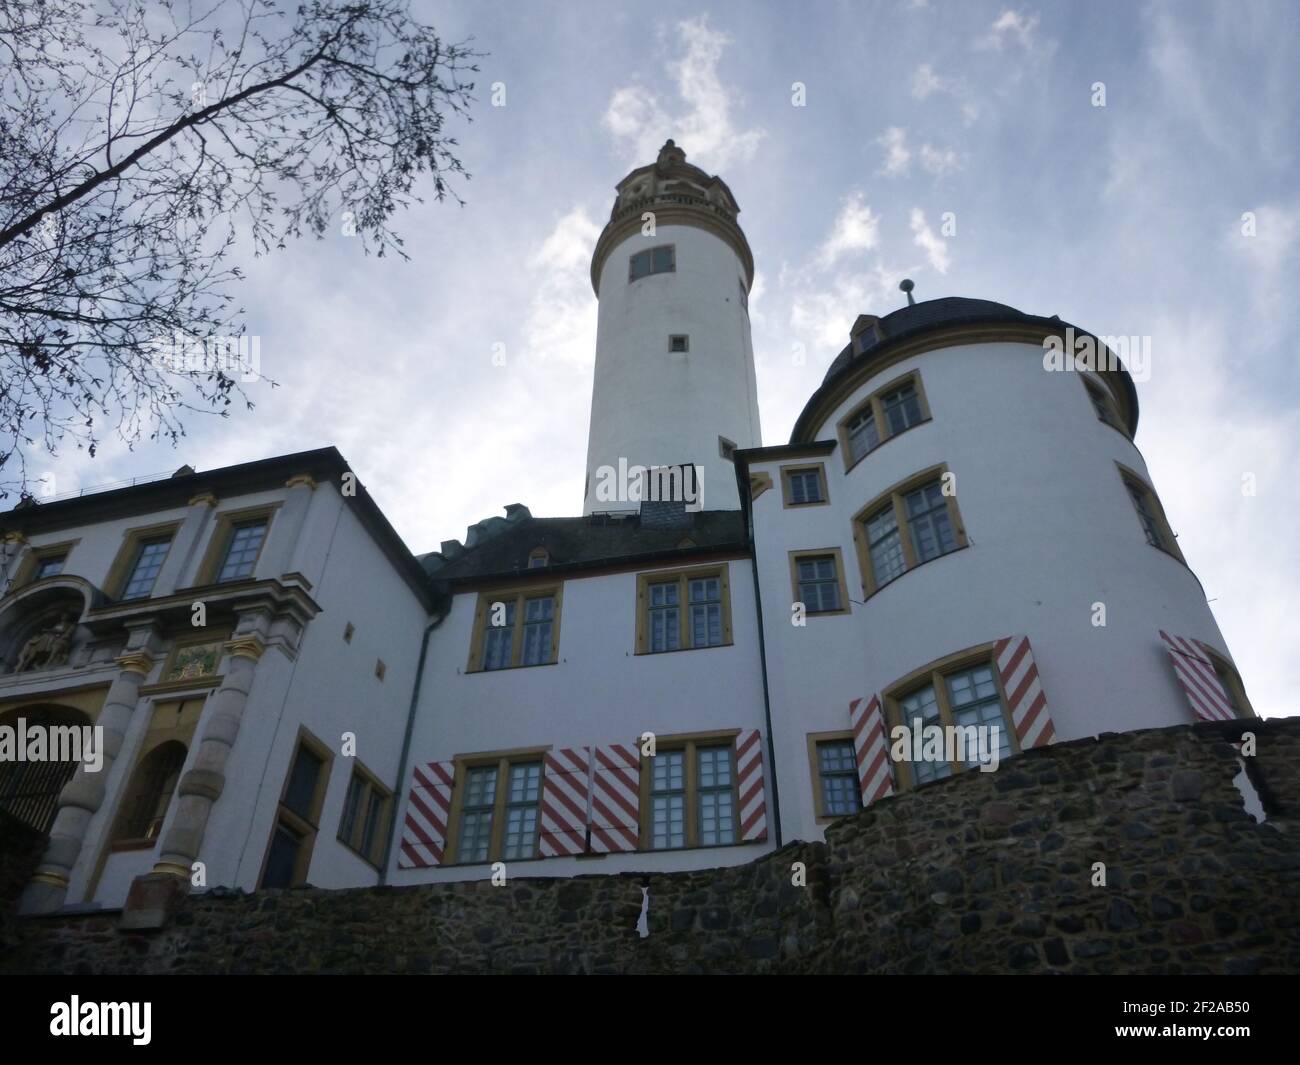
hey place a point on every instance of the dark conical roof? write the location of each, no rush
(931, 313)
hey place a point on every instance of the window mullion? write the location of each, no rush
(904, 529)
(684, 626)
(517, 632)
(945, 710)
(878, 413)
(499, 810)
(692, 797)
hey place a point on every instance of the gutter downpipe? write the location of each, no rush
(747, 510)
(406, 738)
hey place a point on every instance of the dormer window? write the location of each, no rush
(538, 558)
(660, 260)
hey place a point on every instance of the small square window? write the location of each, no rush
(727, 448)
(50, 566)
(679, 342)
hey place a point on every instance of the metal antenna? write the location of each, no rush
(907, 286)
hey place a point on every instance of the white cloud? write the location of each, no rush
(1009, 26)
(898, 157)
(706, 126)
(939, 162)
(925, 82)
(934, 246)
(561, 323)
(855, 229)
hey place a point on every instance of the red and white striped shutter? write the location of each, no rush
(1025, 699)
(749, 782)
(1200, 683)
(616, 799)
(428, 809)
(565, 806)
(867, 720)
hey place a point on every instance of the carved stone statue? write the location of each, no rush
(48, 647)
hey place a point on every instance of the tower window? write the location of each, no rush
(727, 448)
(679, 342)
(744, 295)
(1101, 403)
(660, 260)
(909, 525)
(1151, 515)
(897, 407)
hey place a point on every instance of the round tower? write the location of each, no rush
(674, 377)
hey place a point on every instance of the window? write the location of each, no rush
(366, 811)
(660, 260)
(1230, 680)
(679, 343)
(149, 556)
(242, 549)
(41, 562)
(288, 854)
(150, 793)
(679, 611)
(688, 795)
(1102, 404)
(913, 523)
(966, 695)
(519, 627)
(894, 409)
(804, 486)
(538, 557)
(817, 578)
(1151, 515)
(744, 294)
(727, 448)
(496, 808)
(49, 566)
(834, 766)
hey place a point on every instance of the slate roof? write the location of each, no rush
(504, 544)
(915, 319)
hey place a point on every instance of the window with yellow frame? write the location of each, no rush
(1150, 514)
(960, 691)
(883, 415)
(516, 627)
(914, 522)
(688, 792)
(1232, 684)
(297, 820)
(496, 806)
(683, 610)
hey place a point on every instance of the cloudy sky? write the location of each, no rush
(1126, 219)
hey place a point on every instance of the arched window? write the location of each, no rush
(145, 804)
(29, 790)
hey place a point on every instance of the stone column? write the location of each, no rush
(176, 568)
(84, 794)
(202, 785)
(287, 527)
(11, 553)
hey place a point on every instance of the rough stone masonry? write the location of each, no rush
(990, 873)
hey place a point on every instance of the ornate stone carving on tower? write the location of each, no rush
(674, 380)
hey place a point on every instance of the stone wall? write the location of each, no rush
(981, 873)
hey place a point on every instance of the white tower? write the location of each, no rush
(674, 378)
